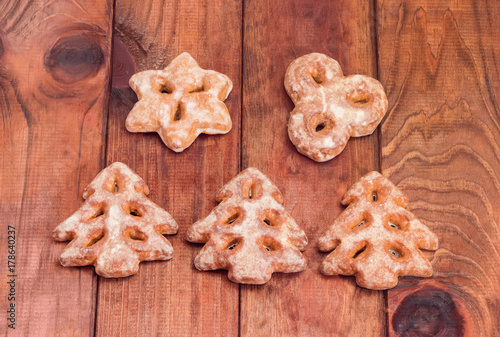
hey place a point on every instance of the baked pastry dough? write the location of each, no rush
(376, 238)
(249, 233)
(330, 108)
(117, 226)
(180, 102)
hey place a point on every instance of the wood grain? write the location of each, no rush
(439, 63)
(275, 33)
(172, 298)
(54, 67)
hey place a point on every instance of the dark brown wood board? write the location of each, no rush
(64, 98)
(275, 33)
(54, 71)
(172, 298)
(439, 64)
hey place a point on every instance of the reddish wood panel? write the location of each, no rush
(439, 63)
(275, 33)
(172, 298)
(54, 67)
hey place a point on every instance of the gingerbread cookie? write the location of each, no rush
(117, 226)
(330, 108)
(376, 239)
(249, 233)
(180, 102)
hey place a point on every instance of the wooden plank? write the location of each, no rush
(53, 93)
(172, 298)
(438, 61)
(275, 33)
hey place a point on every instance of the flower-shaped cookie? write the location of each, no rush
(330, 108)
(180, 102)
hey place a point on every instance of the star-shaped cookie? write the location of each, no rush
(180, 102)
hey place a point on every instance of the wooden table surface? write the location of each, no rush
(64, 97)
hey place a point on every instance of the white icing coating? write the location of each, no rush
(180, 102)
(367, 223)
(249, 261)
(351, 106)
(106, 233)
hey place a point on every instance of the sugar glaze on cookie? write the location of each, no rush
(330, 107)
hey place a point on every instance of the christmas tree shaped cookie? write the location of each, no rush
(117, 226)
(376, 239)
(249, 233)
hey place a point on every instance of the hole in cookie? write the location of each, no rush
(318, 75)
(271, 218)
(317, 78)
(232, 244)
(269, 244)
(359, 251)
(166, 89)
(197, 89)
(178, 114)
(396, 253)
(319, 127)
(97, 214)
(232, 218)
(361, 223)
(364, 220)
(135, 212)
(393, 225)
(113, 184)
(252, 189)
(359, 97)
(134, 209)
(95, 238)
(397, 221)
(135, 234)
(377, 194)
(361, 101)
